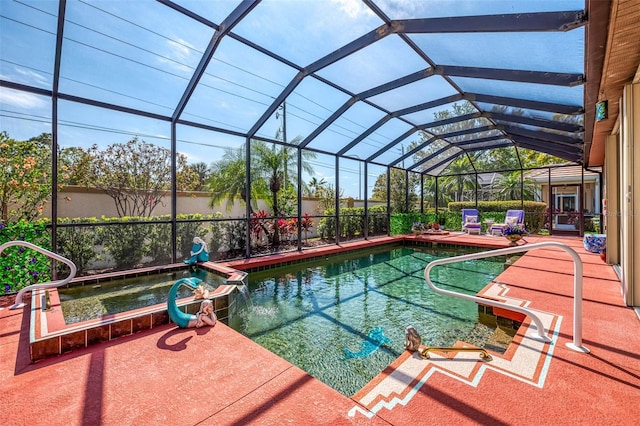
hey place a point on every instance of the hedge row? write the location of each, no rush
(494, 210)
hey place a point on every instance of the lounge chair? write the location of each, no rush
(513, 217)
(470, 222)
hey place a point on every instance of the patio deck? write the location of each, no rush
(218, 377)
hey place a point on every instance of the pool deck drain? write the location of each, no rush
(218, 377)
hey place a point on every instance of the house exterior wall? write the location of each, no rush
(629, 181)
(590, 195)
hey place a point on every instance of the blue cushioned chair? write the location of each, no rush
(513, 217)
(471, 221)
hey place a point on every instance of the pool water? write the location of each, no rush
(91, 301)
(310, 313)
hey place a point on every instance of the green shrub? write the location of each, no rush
(496, 210)
(77, 243)
(327, 225)
(22, 266)
(185, 231)
(126, 243)
(216, 229)
(378, 224)
(352, 222)
(235, 235)
(158, 240)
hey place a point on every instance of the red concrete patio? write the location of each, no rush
(218, 377)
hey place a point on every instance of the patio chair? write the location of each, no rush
(470, 222)
(513, 217)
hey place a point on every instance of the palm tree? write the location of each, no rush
(272, 166)
(316, 187)
(429, 193)
(202, 171)
(228, 179)
(460, 179)
(509, 187)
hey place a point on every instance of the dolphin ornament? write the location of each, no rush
(375, 339)
(180, 318)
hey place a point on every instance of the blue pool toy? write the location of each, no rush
(375, 339)
(199, 252)
(180, 318)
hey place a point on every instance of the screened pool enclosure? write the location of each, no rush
(128, 128)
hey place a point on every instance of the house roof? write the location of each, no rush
(562, 174)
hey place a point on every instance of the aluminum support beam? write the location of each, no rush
(517, 22)
(232, 20)
(522, 76)
(547, 124)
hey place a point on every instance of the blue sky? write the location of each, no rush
(141, 55)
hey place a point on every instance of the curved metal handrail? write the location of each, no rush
(49, 284)
(577, 288)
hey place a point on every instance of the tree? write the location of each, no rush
(272, 166)
(328, 198)
(316, 187)
(429, 193)
(398, 194)
(227, 180)
(74, 166)
(271, 172)
(531, 158)
(137, 175)
(25, 176)
(460, 179)
(509, 187)
(201, 170)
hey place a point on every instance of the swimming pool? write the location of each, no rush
(92, 301)
(310, 313)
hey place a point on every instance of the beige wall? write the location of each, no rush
(88, 202)
(76, 202)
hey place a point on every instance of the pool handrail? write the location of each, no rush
(577, 288)
(19, 304)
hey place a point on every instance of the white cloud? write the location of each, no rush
(18, 74)
(353, 8)
(30, 76)
(180, 49)
(21, 99)
(180, 52)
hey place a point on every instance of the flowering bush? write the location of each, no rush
(514, 229)
(307, 223)
(288, 228)
(257, 224)
(25, 177)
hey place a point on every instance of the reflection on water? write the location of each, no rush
(310, 313)
(82, 303)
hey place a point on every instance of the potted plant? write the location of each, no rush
(514, 233)
(417, 228)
